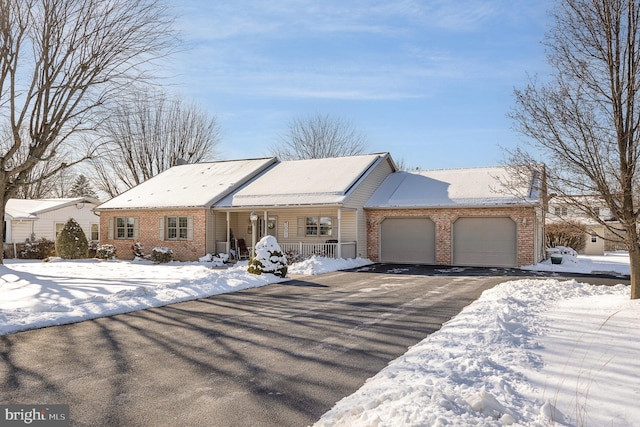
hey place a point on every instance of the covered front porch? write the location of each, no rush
(301, 232)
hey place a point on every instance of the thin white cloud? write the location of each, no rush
(268, 49)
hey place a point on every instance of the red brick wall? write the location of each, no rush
(524, 218)
(183, 250)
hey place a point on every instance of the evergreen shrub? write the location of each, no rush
(72, 242)
(161, 255)
(268, 258)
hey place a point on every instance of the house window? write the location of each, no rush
(125, 227)
(560, 210)
(594, 238)
(177, 227)
(319, 226)
(95, 232)
(59, 227)
(312, 226)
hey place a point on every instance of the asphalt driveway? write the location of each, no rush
(280, 355)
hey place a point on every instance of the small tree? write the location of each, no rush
(268, 258)
(72, 242)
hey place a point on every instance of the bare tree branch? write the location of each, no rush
(61, 62)
(584, 121)
(148, 133)
(319, 136)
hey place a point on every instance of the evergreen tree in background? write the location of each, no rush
(82, 188)
(72, 242)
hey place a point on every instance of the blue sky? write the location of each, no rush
(429, 81)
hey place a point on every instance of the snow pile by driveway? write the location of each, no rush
(35, 294)
(528, 352)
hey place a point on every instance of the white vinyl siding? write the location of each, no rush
(357, 199)
(44, 226)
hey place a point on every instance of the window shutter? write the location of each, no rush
(161, 228)
(189, 228)
(110, 232)
(301, 225)
(334, 227)
(136, 228)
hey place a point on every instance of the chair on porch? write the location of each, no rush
(243, 251)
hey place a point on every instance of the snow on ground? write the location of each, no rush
(538, 353)
(611, 262)
(35, 294)
(534, 352)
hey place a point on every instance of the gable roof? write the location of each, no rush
(190, 185)
(30, 208)
(304, 182)
(473, 187)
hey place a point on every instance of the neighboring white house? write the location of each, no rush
(34, 219)
(598, 238)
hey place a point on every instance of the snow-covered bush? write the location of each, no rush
(93, 247)
(161, 255)
(138, 250)
(568, 234)
(268, 258)
(216, 261)
(72, 242)
(293, 256)
(106, 252)
(37, 249)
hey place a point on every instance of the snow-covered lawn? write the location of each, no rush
(35, 294)
(528, 352)
(611, 262)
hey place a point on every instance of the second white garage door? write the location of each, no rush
(485, 242)
(408, 241)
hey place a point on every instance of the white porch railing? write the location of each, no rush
(306, 250)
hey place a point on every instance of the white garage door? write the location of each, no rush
(490, 242)
(408, 241)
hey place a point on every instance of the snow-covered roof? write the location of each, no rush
(473, 187)
(190, 185)
(30, 208)
(303, 182)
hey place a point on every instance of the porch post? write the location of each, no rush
(265, 217)
(339, 252)
(228, 244)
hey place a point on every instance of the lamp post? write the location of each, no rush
(254, 232)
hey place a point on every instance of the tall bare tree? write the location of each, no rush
(148, 133)
(583, 122)
(319, 136)
(61, 61)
